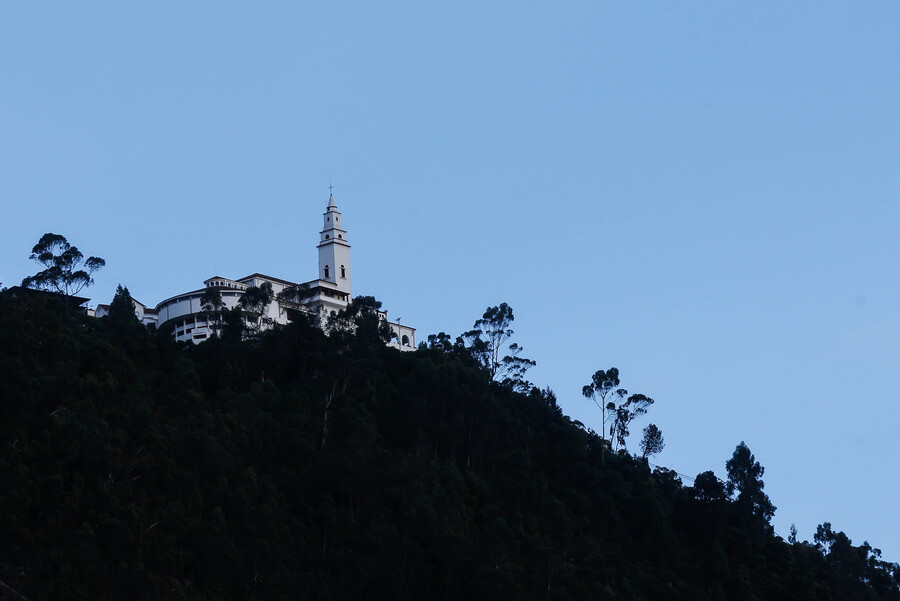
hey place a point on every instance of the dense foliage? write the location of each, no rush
(66, 271)
(132, 467)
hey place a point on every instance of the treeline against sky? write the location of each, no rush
(297, 465)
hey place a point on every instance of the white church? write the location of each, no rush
(326, 295)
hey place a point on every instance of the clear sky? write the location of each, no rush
(702, 194)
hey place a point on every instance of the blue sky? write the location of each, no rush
(701, 194)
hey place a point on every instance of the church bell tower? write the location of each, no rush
(334, 250)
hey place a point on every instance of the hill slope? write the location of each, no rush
(306, 466)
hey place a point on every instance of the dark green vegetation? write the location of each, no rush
(65, 270)
(299, 466)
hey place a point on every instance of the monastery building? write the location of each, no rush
(324, 296)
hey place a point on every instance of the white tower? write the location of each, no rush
(334, 250)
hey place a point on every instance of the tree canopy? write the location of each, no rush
(652, 442)
(605, 383)
(66, 271)
(745, 478)
(487, 343)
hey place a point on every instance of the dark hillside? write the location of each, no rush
(300, 466)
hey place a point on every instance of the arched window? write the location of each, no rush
(405, 340)
(343, 272)
(341, 236)
(326, 272)
(327, 236)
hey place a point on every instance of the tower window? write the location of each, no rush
(405, 340)
(327, 236)
(326, 272)
(343, 272)
(341, 236)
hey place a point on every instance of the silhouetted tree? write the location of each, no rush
(603, 384)
(745, 478)
(635, 406)
(232, 324)
(707, 487)
(123, 327)
(362, 319)
(211, 304)
(66, 271)
(487, 340)
(295, 294)
(121, 309)
(253, 303)
(652, 442)
(824, 537)
(444, 343)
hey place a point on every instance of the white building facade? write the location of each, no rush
(323, 296)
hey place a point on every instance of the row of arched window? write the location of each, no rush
(226, 284)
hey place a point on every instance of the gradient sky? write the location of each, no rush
(702, 194)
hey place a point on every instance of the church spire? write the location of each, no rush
(334, 250)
